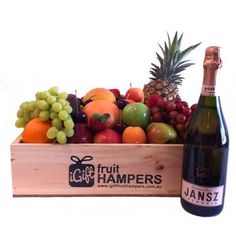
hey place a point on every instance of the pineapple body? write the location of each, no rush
(169, 91)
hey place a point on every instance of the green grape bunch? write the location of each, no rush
(51, 106)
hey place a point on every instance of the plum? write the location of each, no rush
(82, 134)
(77, 115)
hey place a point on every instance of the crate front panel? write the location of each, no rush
(96, 169)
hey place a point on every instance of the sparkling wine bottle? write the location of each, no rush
(206, 145)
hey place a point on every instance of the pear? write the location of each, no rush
(160, 133)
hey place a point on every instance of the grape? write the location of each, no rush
(172, 122)
(173, 114)
(180, 127)
(44, 115)
(62, 101)
(69, 132)
(171, 106)
(57, 123)
(161, 103)
(68, 108)
(24, 106)
(20, 123)
(31, 106)
(20, 113)
(63, 115)
(187, 111)
(51, 106)
(61, 137)
(53, 91)
(43, 105)
(165, 116)
(185, 104)
(194, 107)
(181, 118)
(35, 113)
(68, 124)
(179, 107)
(62, 96)
(52, 132)
(176, 113)
(27, 116)
(53, 115)
(157, 117)
(56, 107)
(155, 109)
(45, 95)
(51, 99)
(39, 95)
(153, 100)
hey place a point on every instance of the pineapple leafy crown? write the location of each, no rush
(172, 63)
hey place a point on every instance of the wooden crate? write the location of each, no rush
(96, 169)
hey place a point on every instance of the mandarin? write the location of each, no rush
(35, 131)
(134, 134)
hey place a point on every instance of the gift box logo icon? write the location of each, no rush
(81, 174)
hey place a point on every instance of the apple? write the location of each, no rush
(82, 134)
(107, 136)
(135, 94)
(160, 133)
(136, 114)
(129, 100)
(99, 122)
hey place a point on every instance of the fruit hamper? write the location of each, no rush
(103, 142)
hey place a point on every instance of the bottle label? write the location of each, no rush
(208, 90)
(202, 195)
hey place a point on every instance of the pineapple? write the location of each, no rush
(166, 77)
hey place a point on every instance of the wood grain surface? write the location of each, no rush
(43, 169)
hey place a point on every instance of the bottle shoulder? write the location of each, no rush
(208, 127)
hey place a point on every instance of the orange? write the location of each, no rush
(35, 131)
(99, 94)
(134, 134)
(101, 107)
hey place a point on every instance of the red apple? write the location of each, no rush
(99, 122)
(135, 94)
(129, 100)
(107, 136)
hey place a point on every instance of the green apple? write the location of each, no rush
(136, 114)
(158, 132)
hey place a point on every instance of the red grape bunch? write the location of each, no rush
(176, 113)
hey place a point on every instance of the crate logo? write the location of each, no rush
(81, 174)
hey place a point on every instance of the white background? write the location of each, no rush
(85, 44)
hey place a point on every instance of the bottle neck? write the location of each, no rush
(209, 81)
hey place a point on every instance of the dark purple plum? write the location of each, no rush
(119, 127)
(82, 134)
(77, 115)
(121, 103)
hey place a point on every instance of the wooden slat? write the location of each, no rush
(43, 169)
